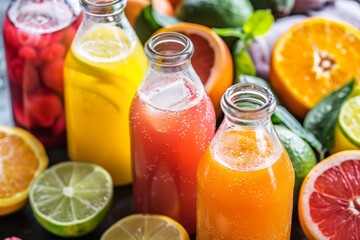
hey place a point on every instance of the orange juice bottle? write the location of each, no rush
(245, 179)
(102, 72)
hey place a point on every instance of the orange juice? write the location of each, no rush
(245, 188)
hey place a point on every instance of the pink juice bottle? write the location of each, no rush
(37, 35)
(172, 121)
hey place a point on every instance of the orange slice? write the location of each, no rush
(211, 60)
(22, 158)
(312, 59)
(329, 200)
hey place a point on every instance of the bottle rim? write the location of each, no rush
(103, 7)
(248, 102)
(169, 49)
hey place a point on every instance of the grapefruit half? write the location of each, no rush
(329, 200)
(211, 60)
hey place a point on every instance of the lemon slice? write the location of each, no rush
(103, 44)
(71, 198)
(349, 120)
(146, 227)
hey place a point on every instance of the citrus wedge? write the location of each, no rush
(329, 200)
(313, 58)
(22, 158)
(211, 60)
(146, 227)
(71, 198)
(349, 120)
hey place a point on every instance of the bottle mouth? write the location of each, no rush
(248, 102)
(103, 7)
(170, 48)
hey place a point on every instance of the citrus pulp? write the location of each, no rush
(211, 60)
(71, 198)
(313, 58)
(329, 199)
(22, 158)
(146, 227)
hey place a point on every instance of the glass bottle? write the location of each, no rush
(37, 35)
(102, 72)
(245, 178)
(172, 121)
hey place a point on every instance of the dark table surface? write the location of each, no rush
(22, 223)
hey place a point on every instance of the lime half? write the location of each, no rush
(349, 120)
(146, 227)
(71, 198)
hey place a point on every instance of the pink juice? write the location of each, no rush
(37, 35)
(169, 144)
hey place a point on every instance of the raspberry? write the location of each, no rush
(16, 71)
(20, 117)
(28, 39)
(27, 53)
(52, 52)
(30, 78)
(52, 75)
(44, 108)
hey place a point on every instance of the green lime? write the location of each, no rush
(215, 13)
(349, 120)
(301, 155)
(71, 198)
(144, 227)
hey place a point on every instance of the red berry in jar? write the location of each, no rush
(53, 76)
(20, 117)
(52, 52)
(30, 78)
(43, 108)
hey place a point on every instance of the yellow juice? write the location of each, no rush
(101, 77)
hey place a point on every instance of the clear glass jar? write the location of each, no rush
(37, 35)
(102, 72)
(172, 121)
(245, 178)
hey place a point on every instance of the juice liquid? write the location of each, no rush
(169, 144)
(245, 189)
(98, 93)
(36, 40)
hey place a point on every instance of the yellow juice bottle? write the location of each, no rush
(102, 72)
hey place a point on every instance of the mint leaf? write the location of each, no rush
(259, 23)
(229, 32)
(321, 119)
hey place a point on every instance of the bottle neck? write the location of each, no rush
(248, 105)
(103, 11)
(169, 52)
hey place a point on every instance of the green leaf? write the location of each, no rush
(259, 23)
(229, 32)
(242, 61)
(146, 24)
(321, 119)
(163, 20)
(283, 116)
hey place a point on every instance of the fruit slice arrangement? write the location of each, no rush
(329, 203)
(22, 158)
(35, 73)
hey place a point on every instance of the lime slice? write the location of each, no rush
(349, 120)
(71, 198)
(146, 227)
